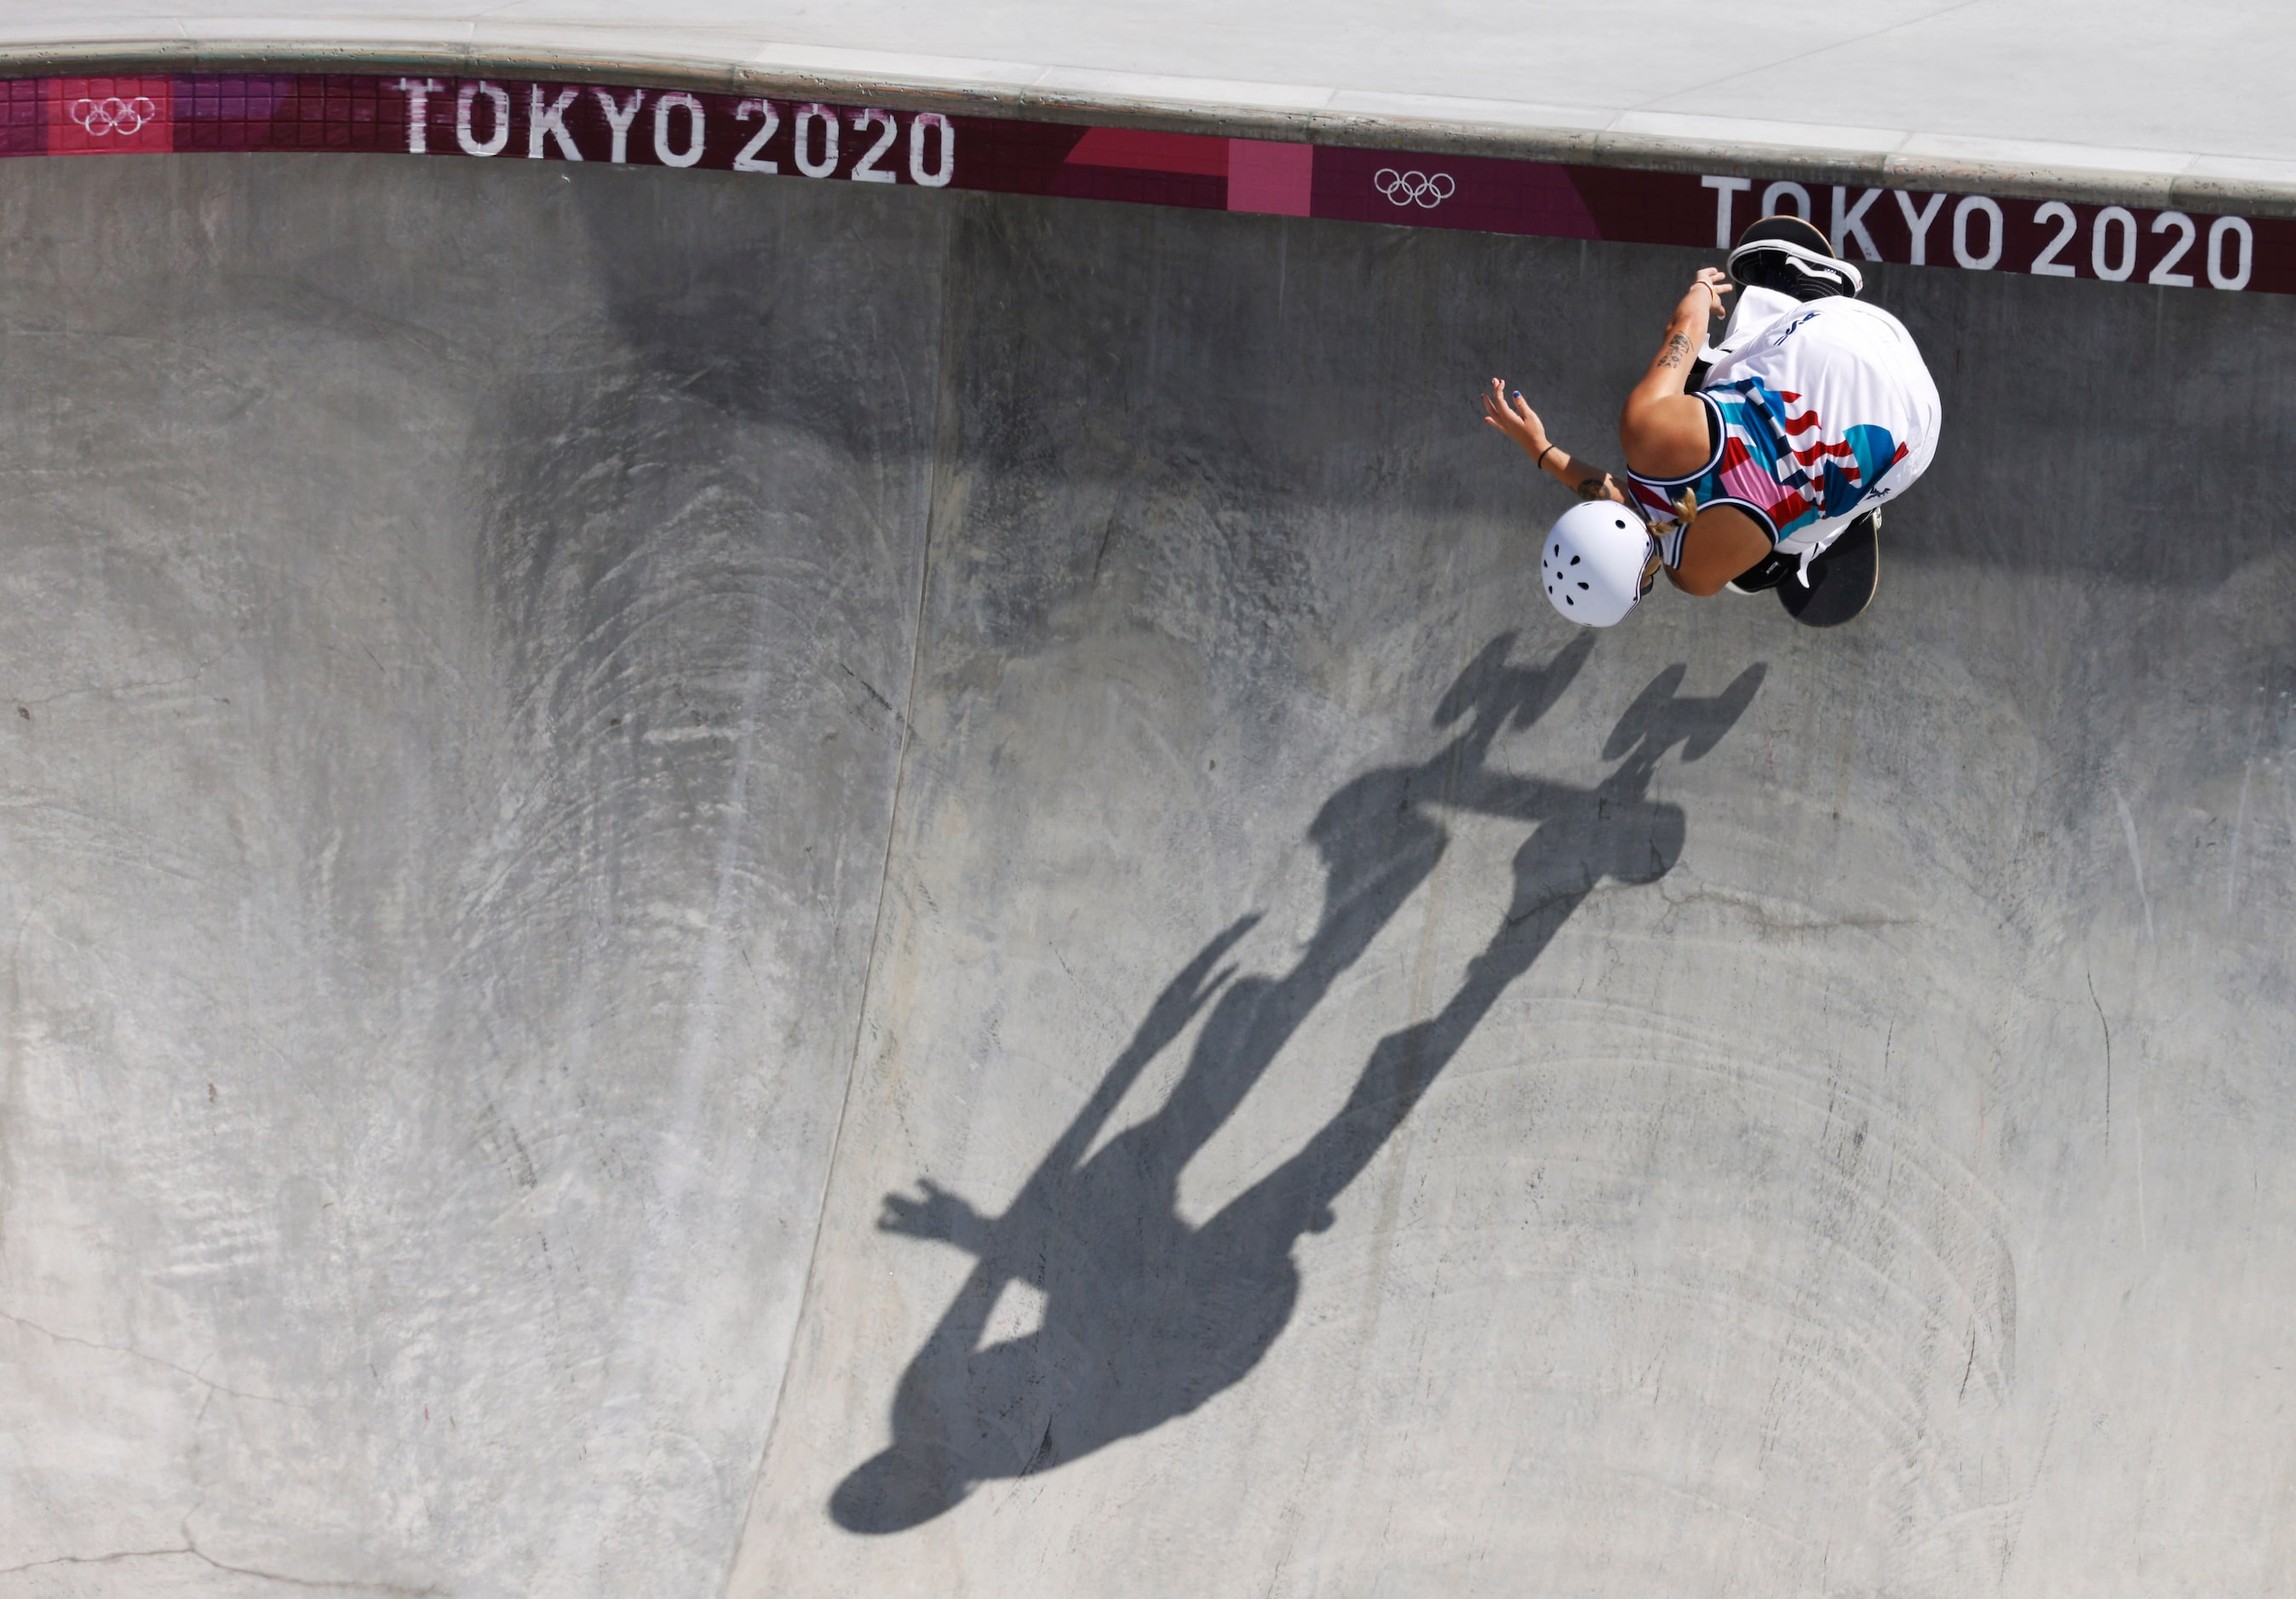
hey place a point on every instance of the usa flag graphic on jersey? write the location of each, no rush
(1776, 462)
(1820, 411)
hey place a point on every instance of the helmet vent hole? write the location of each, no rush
(1574, 560)
(1582, 586)
(1566, 600)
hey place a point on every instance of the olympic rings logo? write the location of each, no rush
(112, 115)
(1427, 189)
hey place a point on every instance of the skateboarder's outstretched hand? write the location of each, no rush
(1507, 410)
(1512, 414)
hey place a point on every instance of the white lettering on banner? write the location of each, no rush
(496, 99)
(2045, 264)
(619, 117)
(418, 92)
(2221, 229)
(1979, 206)
(2113, 216)
(865, 170)
(746, 160)
(1724, 189)
(815, 140)
(1850, 223)
(549, 119)
(822, 117)
(938, 177)
(662, 106)
(1781, 190)
(1979, 224)
(2171, 222)
(1980, 234)
(1917, 222)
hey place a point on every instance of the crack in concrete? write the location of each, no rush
(92, 1559)
(1658, 102)
(428, 1591)
(113, 1348)
(193, 675)
(191, 1551)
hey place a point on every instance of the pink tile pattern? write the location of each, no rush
(1276, 180)
(110, 116)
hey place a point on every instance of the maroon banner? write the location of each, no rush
(507, 119)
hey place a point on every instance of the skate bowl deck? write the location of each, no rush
(784, 889)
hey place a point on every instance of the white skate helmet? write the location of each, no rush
(1596, 563)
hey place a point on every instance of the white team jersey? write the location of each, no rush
(1826, 410)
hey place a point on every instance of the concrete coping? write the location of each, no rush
(1289, 112)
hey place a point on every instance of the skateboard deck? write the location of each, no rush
(1842, 581)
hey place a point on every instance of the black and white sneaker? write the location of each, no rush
(1793, 257)
(1767, 573)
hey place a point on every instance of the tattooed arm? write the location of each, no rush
(1685, 333)
(1507, 410)
(1662, 428)
(1660, 423)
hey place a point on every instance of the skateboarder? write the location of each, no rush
(1759, 462)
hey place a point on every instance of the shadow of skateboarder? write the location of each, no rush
(1145, 1316)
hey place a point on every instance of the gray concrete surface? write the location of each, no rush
(445, 802)
(2105, 99)
(783, 890)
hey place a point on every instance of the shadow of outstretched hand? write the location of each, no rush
(940, 1215)
(1145, 1314)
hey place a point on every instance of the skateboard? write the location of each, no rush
(1842, 581)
